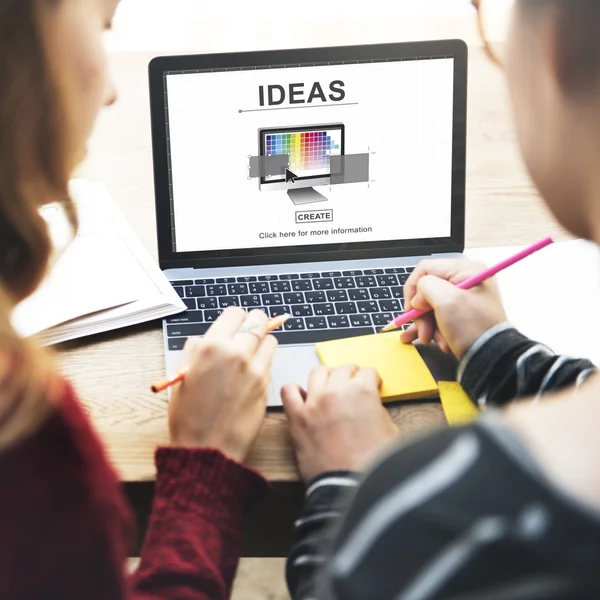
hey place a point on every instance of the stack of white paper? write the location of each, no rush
(103, 280)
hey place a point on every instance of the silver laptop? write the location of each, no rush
(308, 182)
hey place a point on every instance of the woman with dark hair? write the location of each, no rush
(64, 528)
(508, 508)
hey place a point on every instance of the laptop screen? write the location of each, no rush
(310, 154)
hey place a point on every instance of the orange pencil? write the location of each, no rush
(162, 385)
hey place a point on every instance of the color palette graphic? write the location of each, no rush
(308, 150)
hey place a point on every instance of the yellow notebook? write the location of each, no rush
(458, 407)
(404, 373)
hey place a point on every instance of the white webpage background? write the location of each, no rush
(404, 115)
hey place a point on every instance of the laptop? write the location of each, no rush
(309, 182)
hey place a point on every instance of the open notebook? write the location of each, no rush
(105, 279)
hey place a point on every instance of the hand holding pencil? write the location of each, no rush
(459, 316)
(222, 401)
(170, 380)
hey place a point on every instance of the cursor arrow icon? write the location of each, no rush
(290, 177)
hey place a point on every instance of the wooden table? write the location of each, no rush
(112, 371)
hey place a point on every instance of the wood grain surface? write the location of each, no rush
(112, 372)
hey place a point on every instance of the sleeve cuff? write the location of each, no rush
(479, 343)
(332, 480)
(485, 361)
(207, 481)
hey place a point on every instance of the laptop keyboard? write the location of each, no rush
(323, 306)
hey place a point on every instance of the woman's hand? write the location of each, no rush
(221, 402)
(460, 316)
(340, 423)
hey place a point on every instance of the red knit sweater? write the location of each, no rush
(65, 530)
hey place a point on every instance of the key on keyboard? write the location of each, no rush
(281, 286)
(208, 302)
(303, 285)
(366, 281)
(215, 290)
(294, 325)
(262, 287)
(323, 284)
(373, 272)
(277, 311)
(316, 323)
(380, 293)
(272, 299)
(346, 308)
(392, 305)
(360, 321)
(250, 301)
(324, 309)
(396, 270)
(337, 296)
(314, 297)
(383, 280)
(367, 307)
(177, 343)
(237, 289)
(338, 322)
(195, 290)
(225, 301)
(359, 294)
(344, 283)
(294, 298)
(382, 319)
(302, 310)
(190, 316)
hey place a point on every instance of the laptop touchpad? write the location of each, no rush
(292, 364)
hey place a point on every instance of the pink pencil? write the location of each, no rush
(413, 314)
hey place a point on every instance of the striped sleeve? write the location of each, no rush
(504, 365)
(322, 512)
(453, 516)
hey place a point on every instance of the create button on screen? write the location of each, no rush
(314, 216)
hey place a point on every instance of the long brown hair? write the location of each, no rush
(33, 172)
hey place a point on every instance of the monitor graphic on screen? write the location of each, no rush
(309, 149)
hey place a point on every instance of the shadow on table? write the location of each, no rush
(269, 532)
